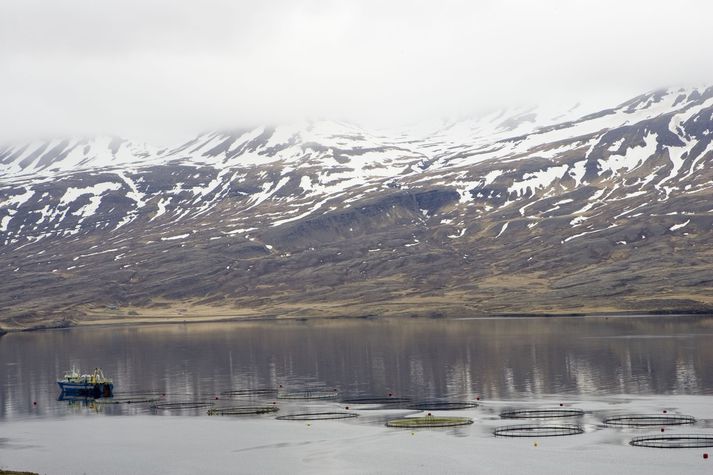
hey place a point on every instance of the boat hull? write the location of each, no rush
(89, 390)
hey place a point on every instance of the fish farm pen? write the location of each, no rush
(177, 406)
(441, 406)
(306, 395)
(242, 410)
(260, 392)
(137, 399)
(542, 413)
(317, 416)
(310, 403)
(538, 430)
(649, 420)
(368, 401)
(428, 421)
(674, 441)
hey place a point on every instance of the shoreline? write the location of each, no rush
(174, 319)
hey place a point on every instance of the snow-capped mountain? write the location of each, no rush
(516, 211)
(60, 157)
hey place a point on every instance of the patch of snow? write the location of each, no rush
(491, 176)
(588, 232)
(538, 180)
(632, 158)
(459, 235)
(578, 170)
(679, 226)
(178, 236)
(134, 194)
(502, 230)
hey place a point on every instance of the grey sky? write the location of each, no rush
(160, 70)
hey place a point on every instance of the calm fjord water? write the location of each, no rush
(424, 359)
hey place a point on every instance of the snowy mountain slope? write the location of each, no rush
(63, 156)
(510, 212)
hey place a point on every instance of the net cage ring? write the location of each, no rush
(428, 422)
(242, 410)
(250, 392)
(181, 405)
(673, 441)
(137, 399)
(541, 413)
(376, 400)
(442, 405)
(649, 420)
(308, 395)
(538, 430)
(139, 392)
(317, 416)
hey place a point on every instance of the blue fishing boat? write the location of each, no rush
(94, 385)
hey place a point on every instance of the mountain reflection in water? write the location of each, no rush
(424, 359)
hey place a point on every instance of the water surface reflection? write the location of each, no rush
(493, 358)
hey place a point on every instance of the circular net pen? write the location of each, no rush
(674, 441)
(649, 420)
(538, 430)
(251, 393)
(135, 399)
(376, 400)
(138, 393)
(542, 413)
(441, 405)
(242, 410)
(180, 406)
(317, 416)
(305, 395)
(428, 422)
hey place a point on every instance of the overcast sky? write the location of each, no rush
(163, 70)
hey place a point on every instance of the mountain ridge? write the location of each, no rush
(608, 211)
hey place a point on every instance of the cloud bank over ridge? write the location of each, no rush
(163, 69)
